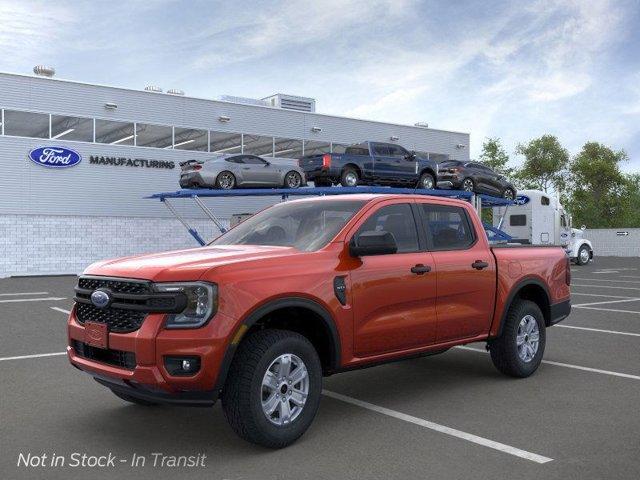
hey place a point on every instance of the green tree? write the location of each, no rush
(600, 193)
(545, 164)
(495, 156)
(632, 216)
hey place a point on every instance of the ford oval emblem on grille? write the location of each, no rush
(100, 298)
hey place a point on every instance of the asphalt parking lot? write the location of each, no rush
(447, 416)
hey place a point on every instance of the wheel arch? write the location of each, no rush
(355, 166)
(531, 289)
(285, 313)
(430, 170)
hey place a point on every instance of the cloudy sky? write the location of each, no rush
(514, 70)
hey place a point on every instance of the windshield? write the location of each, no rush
(306, 226)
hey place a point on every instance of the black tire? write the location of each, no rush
(346, 176)
(298, 179)
(504, 349)
(242, 393)
(468, 185)
(130, 399)
(222, 184)
(322, 182)
(579, 260)
(509, 193)
(426, 179)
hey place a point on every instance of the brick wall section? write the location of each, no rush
(44, 245)
(607, 243)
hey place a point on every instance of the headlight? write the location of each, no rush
(202, 303)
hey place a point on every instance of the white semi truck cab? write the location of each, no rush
(537, 218)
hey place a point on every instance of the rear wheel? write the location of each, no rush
(273, 388)
(509, 194)
(519, 350)
(349, 177)
(584, 255)
(468, 185)
(130, 399)
(427, 181)
(225, 180)
(292, 179)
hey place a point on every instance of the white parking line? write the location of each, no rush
(40, 355)
(597, 295)
(568, 365)
(22, 293)
(632, 299)
(485, 442)
(608, 309)
(61, 310)
(599, 330)
(607, 286)
(16, 300)
(607, 280)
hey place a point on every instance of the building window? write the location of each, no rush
(224, 142)
(72, 128)
(26, 124)
(312, 147)
(157, 136)
(190, 139)
(517, 220)
(287, 148)
(258, 145)
(114, 133)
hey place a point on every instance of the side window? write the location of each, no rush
(448, 228)
(397, 220)
(545, 200)
(235, 159)
(517, 220)
(381, 150)
(250, 159)
(397, 151)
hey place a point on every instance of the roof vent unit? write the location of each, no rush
(244, 100)
(292, 102)
(44, 71)
(175, 91)
(422, 124)
(153, 88)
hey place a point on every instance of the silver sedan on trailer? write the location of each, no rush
(242, 170)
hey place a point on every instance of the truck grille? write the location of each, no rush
(115, 285)
(118, 320)
(117, 358)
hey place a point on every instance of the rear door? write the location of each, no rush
(394, 296)
(465, 271)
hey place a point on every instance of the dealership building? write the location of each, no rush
(127, 144)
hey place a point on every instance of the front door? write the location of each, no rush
(394, 295)
(258, 171)
(465, 270)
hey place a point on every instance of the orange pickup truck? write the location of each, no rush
(306, 289)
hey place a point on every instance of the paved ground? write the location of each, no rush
(580, 410)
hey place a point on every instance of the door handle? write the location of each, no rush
(246, 168)
(420, 269)
(479, 264)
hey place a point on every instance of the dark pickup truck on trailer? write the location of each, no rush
(371, 163)
(310, 288)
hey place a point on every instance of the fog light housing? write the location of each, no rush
(182, 366)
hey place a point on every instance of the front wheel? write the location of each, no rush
(273, 388)
(468, 185)
(509, 194)
(518, 351)
(292, 179)
(427, 181)
(584, 255)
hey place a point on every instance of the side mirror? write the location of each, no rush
(372, 243)
(583, 227)
(267, 164)
(410, 156)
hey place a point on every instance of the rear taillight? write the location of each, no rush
(197, 167)
(567, 275)
(326, 160)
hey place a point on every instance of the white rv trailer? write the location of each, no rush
(538, 218)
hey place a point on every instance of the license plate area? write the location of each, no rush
(96, 334)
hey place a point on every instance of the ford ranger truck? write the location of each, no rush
(371, 163)
(306, 289)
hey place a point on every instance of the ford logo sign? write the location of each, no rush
(55, 157)
(100, 298)
(522, 200)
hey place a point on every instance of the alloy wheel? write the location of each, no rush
(528, 338)
(467, 185)
(508, 194)
(351, 179)
(285, 388)
(226, 181)
(584, 255)
(293, 180)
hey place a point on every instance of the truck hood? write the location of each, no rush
(184, 265)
